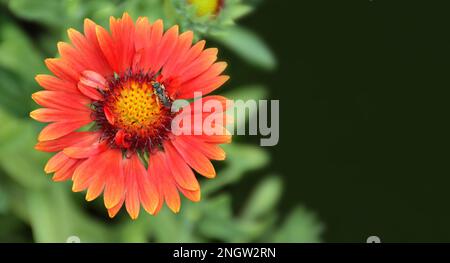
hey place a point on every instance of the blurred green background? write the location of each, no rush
(363, 90)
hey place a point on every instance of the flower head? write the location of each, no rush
(207, 17)
(109, 108)
(207, 7)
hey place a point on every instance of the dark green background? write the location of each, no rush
(363, 90)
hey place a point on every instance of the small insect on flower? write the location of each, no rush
(160, 91)
(122, 84)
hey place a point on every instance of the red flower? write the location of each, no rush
(124, 83)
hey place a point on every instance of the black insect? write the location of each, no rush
(161, 92)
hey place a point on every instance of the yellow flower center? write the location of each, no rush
(136, 106)
(205, 7)
(135, 113)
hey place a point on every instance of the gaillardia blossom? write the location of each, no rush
(109, 109)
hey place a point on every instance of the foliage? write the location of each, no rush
(29, 30)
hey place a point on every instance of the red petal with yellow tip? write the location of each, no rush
(194, 158)
(181, 172)
(158, 169)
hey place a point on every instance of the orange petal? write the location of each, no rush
(181, 172)
(92, 168)
(96, 187)
(59, 129)
(183, 45)
(126, 38)
(49, 82)
(139, 188)
(150, 197)
(218, 103)
(56, 162)
(118, 47)
(187, 59)
(200, 65)
(72, 56)
(89, 91)
(80, 152)
(93, 79)
(166, 47)
(214, 84)
(142, 33)
(211, 151)
(142, 37)
(84, 173)
(131, 168)
(194, 196)
(109, 115)
(66, 172)
(89, 49)
(112, 212)
(107, 46)
(154, 41)
(201, 84)
(60, 100)
(192, 54)
(115, 181)
(158, 169)
(194, 158)
(216, 139)
(72, 139)
(132, 202)
(54, 115)
(62, 69)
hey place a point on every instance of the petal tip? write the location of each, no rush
(111, 214)
(38, 78)
(33, 114)
(88, 21)
(89, 197)
(134, 215)
(175, 210)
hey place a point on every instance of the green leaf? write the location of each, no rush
(165, 226)
(50, 12)
(49, 223)
(152, 9)
(239, 10)
(101, 10)
(219, 223)
(219, 206)
(254, 229)
(13, 98)
(18, 157)
(18, 55)
(17, 202)
(249, 46)
(221, 228)
(246, 157)
(135, 231)
(300, 226)
(264, 198)
(54, 218)
(4, 199)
